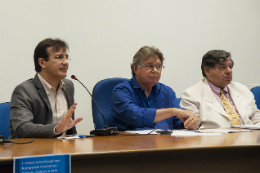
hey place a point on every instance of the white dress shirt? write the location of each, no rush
(57, 99)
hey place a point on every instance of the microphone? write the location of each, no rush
(106, 131)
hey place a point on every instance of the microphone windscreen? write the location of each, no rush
(73, 77)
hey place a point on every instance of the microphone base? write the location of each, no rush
(105, 131)
(2, 140)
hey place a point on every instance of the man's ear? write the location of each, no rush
(135, 69)
(206, 70)
(41, 62)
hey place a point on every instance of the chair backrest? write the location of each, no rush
(102, 93)
(5, 119)
(256, 92)
(179, 100)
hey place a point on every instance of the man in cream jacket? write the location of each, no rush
(217, 100)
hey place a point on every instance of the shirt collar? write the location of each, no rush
(216, 89)
(136, 84)
(48, 88)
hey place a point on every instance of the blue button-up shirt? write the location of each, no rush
(131, 109)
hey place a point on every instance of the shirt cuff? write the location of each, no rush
(148, 117)
(179, 125)
(54, 133)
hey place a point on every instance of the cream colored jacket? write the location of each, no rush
(200, 100)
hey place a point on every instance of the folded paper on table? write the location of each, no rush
(185, 133)
(255, 127)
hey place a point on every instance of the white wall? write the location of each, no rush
(104, 35)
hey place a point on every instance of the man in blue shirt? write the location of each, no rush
(143, 102)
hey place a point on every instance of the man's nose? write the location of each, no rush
(228, 70)
(65, 61)
(154, 69)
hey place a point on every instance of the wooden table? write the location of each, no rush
(232, 152)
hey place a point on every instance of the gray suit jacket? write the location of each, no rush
(31, 114)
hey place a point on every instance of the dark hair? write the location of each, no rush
(143, 53)
(213, 57)
(42, 52)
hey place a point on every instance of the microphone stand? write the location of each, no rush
(106, 131)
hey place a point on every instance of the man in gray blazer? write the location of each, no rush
(43, 107)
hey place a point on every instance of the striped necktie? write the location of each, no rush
(232, 114)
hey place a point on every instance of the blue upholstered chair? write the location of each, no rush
(256, 92)
(5, 119)
(102, 93)
(179, 100)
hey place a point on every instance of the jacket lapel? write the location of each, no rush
(69, 94)
(211, 101)
(237, 101)
(44, 96)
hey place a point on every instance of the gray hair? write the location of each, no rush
(143, 53)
